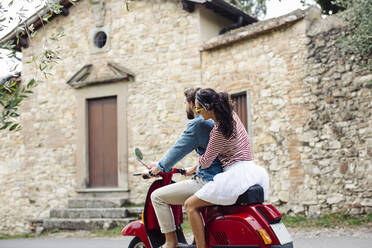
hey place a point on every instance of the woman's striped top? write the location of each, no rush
(236, 148)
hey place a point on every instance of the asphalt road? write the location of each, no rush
(337, 242)
(66, 243)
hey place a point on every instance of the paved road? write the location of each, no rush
(66, 243)
(338, 242)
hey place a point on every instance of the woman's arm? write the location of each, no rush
(215, 146)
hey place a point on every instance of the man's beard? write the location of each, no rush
(190, 114)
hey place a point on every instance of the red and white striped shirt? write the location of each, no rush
(236, 148)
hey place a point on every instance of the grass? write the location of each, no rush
(330, 220)
(27, 235)
(18, 236)
(186, 226)
(114, 232)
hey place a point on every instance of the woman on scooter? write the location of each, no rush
(229, 142)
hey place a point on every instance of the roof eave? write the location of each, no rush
(35, 20)
(227, 10)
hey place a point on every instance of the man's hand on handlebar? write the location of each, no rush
(154, 169)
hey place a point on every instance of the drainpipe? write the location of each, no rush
(238, 24)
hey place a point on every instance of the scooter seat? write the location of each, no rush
(253, 195)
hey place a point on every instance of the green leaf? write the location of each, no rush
(31, 83)
(14, 114)
(42, 67)
(14, 126)
(5, 125)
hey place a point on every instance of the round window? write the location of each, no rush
(100, 39)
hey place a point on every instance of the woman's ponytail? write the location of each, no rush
(224, 114)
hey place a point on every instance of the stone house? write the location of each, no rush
(120, 83)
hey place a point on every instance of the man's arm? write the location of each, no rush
(184, 145)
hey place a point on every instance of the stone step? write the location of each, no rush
(71, 213)
(104, 193)
(96, 202)
(84, 224)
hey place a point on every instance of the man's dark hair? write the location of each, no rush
(190, 94)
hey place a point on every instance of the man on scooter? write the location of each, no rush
(195, 137)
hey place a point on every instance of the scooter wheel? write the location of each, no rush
(136, 243)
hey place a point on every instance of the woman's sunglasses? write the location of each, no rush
(198, 110)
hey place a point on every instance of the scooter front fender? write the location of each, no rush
(137, 228)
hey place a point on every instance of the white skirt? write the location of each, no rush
(227, 186)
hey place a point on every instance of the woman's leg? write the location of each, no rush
(173, 194)
(192, 206)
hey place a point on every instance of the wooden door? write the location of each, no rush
(240, 107)
(103, 155)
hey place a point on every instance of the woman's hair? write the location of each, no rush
(223, 110)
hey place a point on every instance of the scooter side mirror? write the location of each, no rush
(139, 157)
(138, 153)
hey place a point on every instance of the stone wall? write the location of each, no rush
(165, 58)
(158, 41)
(337, 135)
(311, 110)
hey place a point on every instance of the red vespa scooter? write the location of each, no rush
(247, 223)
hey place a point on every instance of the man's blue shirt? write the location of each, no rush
(195, 137)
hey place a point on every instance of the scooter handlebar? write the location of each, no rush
(174, 171)
(145, 176)
(181, 171)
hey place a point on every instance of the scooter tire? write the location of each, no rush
(136, 243)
